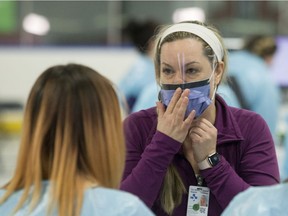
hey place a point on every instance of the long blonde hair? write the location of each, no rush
(72, 128)
(173, 188)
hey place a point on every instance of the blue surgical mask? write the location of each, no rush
(199, 97)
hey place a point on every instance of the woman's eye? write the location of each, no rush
(191, 71)
(167, 71)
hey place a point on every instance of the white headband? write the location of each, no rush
(206, 34)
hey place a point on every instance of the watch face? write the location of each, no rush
(214, 159)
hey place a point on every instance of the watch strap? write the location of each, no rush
(204, 164)
(210, 161)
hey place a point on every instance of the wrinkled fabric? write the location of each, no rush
(97, 201)
(198, 97)
(264, 201)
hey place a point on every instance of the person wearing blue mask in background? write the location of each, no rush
(141, 73)
(249, 69)
(192, 143)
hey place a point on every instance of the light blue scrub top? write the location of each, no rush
(264, 201)
(139, 75)
(257, 85)
(97, 201)
(228, 95)
(147, 98)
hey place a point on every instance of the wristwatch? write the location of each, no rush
(211, 161)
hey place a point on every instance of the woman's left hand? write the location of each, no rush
(203, 137)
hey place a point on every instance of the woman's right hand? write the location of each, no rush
(171, 121)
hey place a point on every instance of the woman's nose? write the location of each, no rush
(179, 78)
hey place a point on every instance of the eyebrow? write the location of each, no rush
(187, 64)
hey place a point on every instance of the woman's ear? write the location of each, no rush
(219, 72)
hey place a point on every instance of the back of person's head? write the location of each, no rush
(262, 46)
(72, 134)
(140, 34)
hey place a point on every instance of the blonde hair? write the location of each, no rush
(72, 129)
(263, 46)
(173, 188)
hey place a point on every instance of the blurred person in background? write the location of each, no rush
(72, 150)
(252, 81)
(192, 143)
(141, 72)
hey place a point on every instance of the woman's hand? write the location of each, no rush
(203, 136)
(171, 122)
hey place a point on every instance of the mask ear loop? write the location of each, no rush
(215, 63)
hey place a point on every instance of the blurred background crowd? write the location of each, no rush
(114, 37)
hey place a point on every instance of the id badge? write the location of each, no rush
(198, 201)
